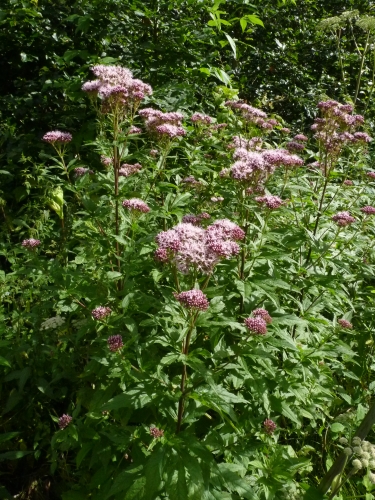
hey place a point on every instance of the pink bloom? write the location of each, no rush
(201, 118)
(271, 202)
(169, 130)
(115, 343)
(348, 182)
(135, 130)
(343, 219)
(285, 130)
(262, 313)
(190, 180)
(204, 215)
(191, 219)
(345, 324)
(368, 210)
(92, 87)
(57, 136)
(136, 204)
(126, 169)
(295, 146)
(371, 175)
(362, 137)
(156, 433)
(256, 325)
(217, 199)
(193, 299)
(80, 171)
(106, 161)
(30, 244)
(154, 152)
(64, 421)
(269, 426)
(300, 138)
(101, 312)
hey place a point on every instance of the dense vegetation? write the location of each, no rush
(187, 213)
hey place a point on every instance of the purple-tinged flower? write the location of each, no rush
(156, 433)
(204, 215)
(92, 88)
(217, 199)
(271, 202)
(295, 146)
(135, 130)
(343, 219)
(225, 172)
(106, 161)
(371, 175)
(191, 219)
(269, 426)
(219, 126)
(80, 171)
(368, 210)
(362, 137)
(273, 122)
(154, 152)
(190, 180)
(136, 204)
(256, 325)
(262, 313)
(193, 299)
(201, 118)
(300, 138)
(348, 182)
(31, 243)
(57, 136)
(161, 254)
(285, 130)
(344, 323)
(115, 343)
(169, 130)
(101, 312)
(64, 421)
(227, 228)
(126, 169)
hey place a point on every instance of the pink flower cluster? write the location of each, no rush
(81, 171)
(269, 426)
(115, 343)
(295, 146)
(217, 199)
(191, 180)
(343, 219)
(126, 169)
(136, 205)
(344, 323)
(116, 85)
(134, 130)
(193, 299)
(106, 160)
(371, 175)
(253, 115)
(31, 243)
(56, 136)
(156, 433)
(191, 247)
(163, 124)
(271, 202)
(348, 182)
(195, 219)
(258, 323)
(368, 210)
(337, 126)
(201, 118)
(64, 421)
(101, 312)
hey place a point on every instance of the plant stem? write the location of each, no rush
(361, 68)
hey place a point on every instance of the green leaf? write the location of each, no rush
(337, 427)
(232, 43)
(8, 435)
(13, 455)
(114, 275)
(4, 362)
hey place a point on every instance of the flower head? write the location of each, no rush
(201, 118)
(271, 202)
(368, 210)
(115, 343)
(106, 161)
(81, 171)
(300, 138)
(134, 130)
(64, 421)
(193, 299)
(269, 426)
(31, 243)
(343, 219)
(256, 325)
(371, 175)
(101, 312)
(344, 323)
(136, 204)
(126, 169)
(56, 136)
(262, 313)
(156, 433)
(348, 182)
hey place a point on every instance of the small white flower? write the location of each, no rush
(364, 462)
(52, 323)
(356, 441)
(343, 440)
(371, 477)
(357, 450)
(357, 464)
(348, 451)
